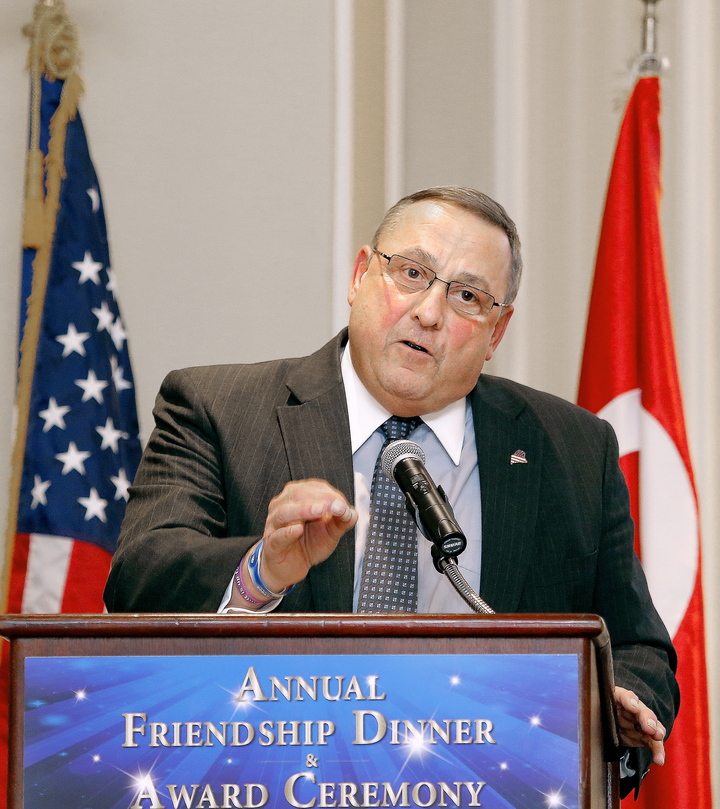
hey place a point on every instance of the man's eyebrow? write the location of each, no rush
(463, 276)
(420, 255)
(469, 278)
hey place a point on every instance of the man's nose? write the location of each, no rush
(431, 306)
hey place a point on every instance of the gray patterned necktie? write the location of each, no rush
(389, 573)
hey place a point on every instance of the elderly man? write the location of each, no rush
(258, 488)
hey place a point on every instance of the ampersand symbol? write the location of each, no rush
(311, 760)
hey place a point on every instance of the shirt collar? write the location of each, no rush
(366, 414)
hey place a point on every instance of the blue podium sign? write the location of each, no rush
(498, 731)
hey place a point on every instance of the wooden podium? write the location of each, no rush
(512, 702)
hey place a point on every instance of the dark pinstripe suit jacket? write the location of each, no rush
(557, 535)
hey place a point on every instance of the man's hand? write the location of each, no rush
(638, 725)
(303, 527)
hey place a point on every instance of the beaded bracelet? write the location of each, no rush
(242, 587)
(254, 570)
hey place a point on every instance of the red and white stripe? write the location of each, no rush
(57, 574)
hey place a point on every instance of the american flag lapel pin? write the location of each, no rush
(518, 456)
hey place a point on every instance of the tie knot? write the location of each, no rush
(398, 428)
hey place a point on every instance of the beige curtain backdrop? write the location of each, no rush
(245, 150)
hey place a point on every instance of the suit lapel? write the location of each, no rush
(316, 434)
(509, 491)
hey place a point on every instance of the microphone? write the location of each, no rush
(427, 503)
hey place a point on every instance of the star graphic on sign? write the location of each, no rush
(94, 506)
(54, 416)
(74, 458)
(122, 485)
(38, 492)
(89, 270)
(111, 285)
(118, 333)
(94, 199)
(92, 387)
(142, 784)
(73, 341)
(105, 317)
(110, 436)
(117, 376)
(553, 799)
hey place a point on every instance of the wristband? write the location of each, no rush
(254, 571)
(242, 588)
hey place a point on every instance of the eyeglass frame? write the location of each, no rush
(436, 277)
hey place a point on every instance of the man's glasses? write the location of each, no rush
(410, 277)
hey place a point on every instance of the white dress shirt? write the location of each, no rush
(448, 441)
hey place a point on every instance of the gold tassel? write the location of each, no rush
(34, 221)
(53, 52)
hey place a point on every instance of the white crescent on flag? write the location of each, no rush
(667, 506)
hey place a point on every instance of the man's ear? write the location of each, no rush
(362, 261)
(499, 330)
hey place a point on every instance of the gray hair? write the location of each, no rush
(475, 202)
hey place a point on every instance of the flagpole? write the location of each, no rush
(649, 63)
(650, 27)
(53, 52)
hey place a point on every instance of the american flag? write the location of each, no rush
(82, 447)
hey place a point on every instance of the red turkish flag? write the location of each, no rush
(629, 377)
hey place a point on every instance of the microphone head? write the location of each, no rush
(397, 450)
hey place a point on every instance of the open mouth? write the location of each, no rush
(415, 346)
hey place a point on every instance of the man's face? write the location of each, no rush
(415, 353)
